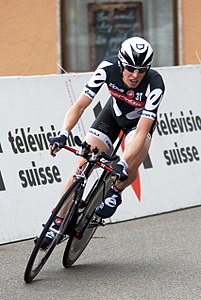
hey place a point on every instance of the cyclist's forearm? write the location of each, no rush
(74, 113)
(134, 148)
(135, 145)
(71, 118)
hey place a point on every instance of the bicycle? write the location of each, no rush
(80, 221)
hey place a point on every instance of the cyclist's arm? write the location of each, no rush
(74, 113)
(90, 90)
(154, 95)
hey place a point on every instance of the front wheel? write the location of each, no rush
(38, 256)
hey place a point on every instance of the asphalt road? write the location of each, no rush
(150, 258)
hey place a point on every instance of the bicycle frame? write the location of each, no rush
(98, 188)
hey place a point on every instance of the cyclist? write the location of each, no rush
(136, 92)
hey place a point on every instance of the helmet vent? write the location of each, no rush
(140, 46)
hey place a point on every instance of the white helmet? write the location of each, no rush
(136, 51)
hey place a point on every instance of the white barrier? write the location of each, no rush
(32, 110)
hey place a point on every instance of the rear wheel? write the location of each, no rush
(86, 225)
(38, 256)
(76, 246)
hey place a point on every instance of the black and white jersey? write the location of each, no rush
(128, 103)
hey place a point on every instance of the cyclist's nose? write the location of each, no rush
(135, 74)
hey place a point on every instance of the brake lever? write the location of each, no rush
(53, 148)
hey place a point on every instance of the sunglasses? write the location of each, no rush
(132, 69)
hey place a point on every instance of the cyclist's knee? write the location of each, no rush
(97, 142)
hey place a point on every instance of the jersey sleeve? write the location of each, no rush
(154, 94)
(98, 78)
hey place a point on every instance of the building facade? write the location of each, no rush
(37, 37)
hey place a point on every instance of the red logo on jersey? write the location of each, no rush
(131, 94)
(126, 99)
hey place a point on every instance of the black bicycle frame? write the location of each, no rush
(100, 183)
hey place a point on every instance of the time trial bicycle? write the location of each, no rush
(80, 222)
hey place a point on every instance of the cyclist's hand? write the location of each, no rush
(119, 171)
(58, 142)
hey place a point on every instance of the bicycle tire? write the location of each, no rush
(31, 269)
(75, 246)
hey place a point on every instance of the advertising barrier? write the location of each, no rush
(32, 110)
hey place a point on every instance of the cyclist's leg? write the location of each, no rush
(102, 134)
(80, 165)
(113, 198)
(135, 164)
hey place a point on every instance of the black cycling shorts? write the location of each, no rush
(110, 125)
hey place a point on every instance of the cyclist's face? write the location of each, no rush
(132, 79)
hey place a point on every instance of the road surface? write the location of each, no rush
(156, 257)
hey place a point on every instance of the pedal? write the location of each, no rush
(62, 238)
(102, 222)
(97, 221)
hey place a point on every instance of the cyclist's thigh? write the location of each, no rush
(104, 129)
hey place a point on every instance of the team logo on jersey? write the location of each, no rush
(130, 94)
(140, 46)
(114, 87)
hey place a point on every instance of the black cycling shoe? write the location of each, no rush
(50, 235)
(109, 205)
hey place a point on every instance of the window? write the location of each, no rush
(92, 30)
